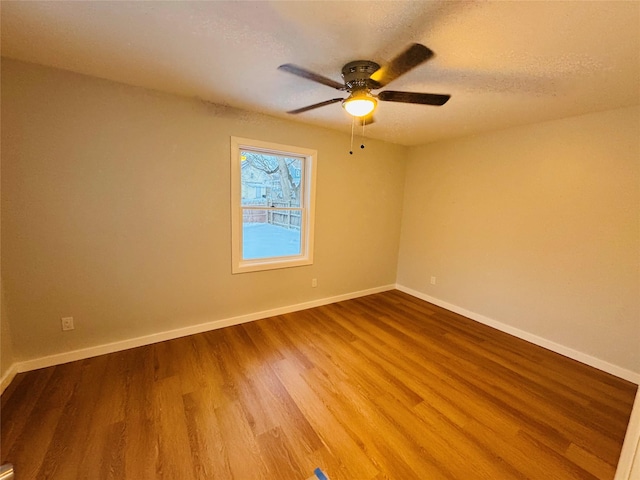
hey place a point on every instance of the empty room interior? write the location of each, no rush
(213, 266)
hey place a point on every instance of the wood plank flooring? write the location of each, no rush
(381, 387)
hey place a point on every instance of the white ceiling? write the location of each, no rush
(504, 63)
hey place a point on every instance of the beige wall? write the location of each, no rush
(536, 227)
(115, 210)
(6, 344)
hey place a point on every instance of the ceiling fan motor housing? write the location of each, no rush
(356, 74)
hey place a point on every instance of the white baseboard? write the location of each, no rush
(8, 376)
(629, 461)
(80, 354)
(530, 337)
(57, 359)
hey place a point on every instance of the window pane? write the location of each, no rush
(270, 180)
(270, 233)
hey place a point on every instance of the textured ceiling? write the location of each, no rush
(504, 63)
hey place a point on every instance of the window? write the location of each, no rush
(272, 205)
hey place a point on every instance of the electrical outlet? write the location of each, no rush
(314, 282)
(67, 323)
(433, 280)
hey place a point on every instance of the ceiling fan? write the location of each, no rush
(362, 76)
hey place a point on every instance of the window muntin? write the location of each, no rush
(272, 205)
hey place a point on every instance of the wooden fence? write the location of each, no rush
(290, 219)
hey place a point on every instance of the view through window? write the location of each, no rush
(271, 205)
(273, 214)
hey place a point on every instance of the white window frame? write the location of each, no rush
(308, 185)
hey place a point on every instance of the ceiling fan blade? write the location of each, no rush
(316, 105)
(407, 60)
(411, 97)
(314, 77)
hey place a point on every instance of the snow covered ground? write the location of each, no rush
(262, 240)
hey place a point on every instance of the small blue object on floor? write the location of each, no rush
(319, 475)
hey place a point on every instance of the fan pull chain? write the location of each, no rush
(353, 123)
(364, 122)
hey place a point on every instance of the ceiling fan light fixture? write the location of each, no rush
(359, 105)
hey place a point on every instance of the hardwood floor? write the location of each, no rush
(381, 387)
